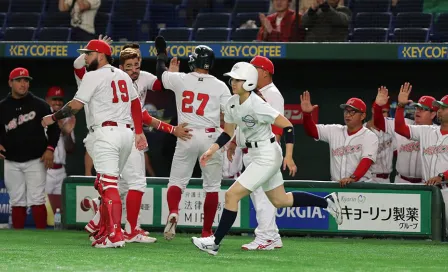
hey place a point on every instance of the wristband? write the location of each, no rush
(288, 133)
(53, 117)
(50, 148)
(222, 139)
(165, 127)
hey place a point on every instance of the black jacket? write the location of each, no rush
(21, 132)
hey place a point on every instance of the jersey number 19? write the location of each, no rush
(123, 90)
(188, 98)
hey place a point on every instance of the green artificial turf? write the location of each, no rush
(31, 250)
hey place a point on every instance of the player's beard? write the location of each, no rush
(92, 66)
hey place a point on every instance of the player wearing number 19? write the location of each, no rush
(199, 97)
(112, 101)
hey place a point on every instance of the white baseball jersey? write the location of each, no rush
(385, 154)
(408, 151)
(144, 82)
(108, 91)
(199, 97)
(347, 151)
(59, 152)
(274, 98)
(433, 149)
(80, 71)
(254, 117)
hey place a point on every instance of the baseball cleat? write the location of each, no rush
(109, 241)
(170, 228)
(334, 208)
(138, 236)
(206, 244)
(259, 244)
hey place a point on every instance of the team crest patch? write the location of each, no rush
(249, 121)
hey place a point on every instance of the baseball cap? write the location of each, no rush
(442, 103)
(55, 91)
(426, 102)
(263, 63)
(355, 103)
(98, 46)
(19, 72)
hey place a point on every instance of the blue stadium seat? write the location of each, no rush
(242, 18)
(23, 19)
(409, 6)
(161, 16)
(106, 6)
(102, 23)
(27, 5)
(251, 6)
(218, 34)
(205, 20)
(56, 19)
(2, 20)
(373, 19)
(420, 35)
(135, 9)
(177, 33)
(62, 34)
(413, 19)
(125, 29)
(19, 33)
(245, 34)
(4, 6)
(372, 34)
(441, 28)
(371, 6)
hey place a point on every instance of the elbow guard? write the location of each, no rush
(222, 139)
(288, 133)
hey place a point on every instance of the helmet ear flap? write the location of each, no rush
(249, 85)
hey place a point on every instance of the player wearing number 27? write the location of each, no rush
(199, 98)
(112, 100)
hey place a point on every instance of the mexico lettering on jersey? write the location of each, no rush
(385, 154)
(199, 98)
(408, 151)
(433, 149)
(108, 92)
(346, 151)
(254, 117)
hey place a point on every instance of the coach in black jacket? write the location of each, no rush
(27, 149)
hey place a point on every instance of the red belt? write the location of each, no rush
(245, 150)
(112, 124)
(210, 130)
(383, 176)
(411, 180)
(57, 166)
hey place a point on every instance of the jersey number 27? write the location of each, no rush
(123, 88)
(188, 98)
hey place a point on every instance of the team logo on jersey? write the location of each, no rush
(346, 150)
(435, 150)
(23, 118)
(249, 121)
(384, 145)
(410, 147)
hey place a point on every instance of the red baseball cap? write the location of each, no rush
(98, 46)
(263, 63)
(19, 72)
(426, 102)
(442, 103)
(55, 91)
(355, 103)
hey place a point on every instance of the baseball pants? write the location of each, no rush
(54, 180)
(25, 182)
(186, 155)
(133, 174)
(88, 143)
(265, 212)
(398, 179)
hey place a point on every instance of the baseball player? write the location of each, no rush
(353, 148)
(409, 163)
(255, 117)
(66, 144)
(133, 181)
(111, 98)
(383, 166)
(26, 148)
(266, 233)
(433, 141)
(199, 98)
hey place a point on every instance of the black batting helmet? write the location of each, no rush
(202, 58)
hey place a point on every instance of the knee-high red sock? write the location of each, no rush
(18, 216)
(133, 203)
(173, 196)
(114, 208)
(210, 207)
(40, 216)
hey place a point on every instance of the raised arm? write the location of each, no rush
(403, 99)
(381, 99)
(307, 109)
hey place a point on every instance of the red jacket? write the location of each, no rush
(289, 30)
